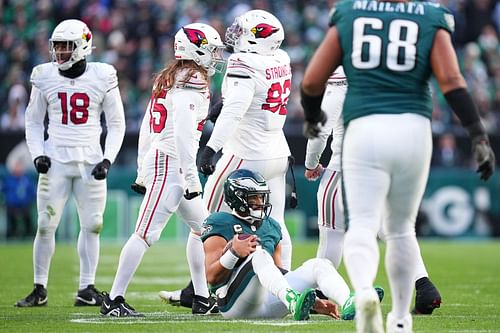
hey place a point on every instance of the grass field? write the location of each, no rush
(467, 274)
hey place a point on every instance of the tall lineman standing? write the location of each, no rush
(389, 51)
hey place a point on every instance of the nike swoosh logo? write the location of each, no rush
(205, 304)
(42, 301)
(105, 305)
(91, 302)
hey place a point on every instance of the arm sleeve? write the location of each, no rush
(236, 103)
(144, 138)
(186, 103)
(315, 148)
(35, 115)
(115, 123)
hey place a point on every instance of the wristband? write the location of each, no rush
(228, 260)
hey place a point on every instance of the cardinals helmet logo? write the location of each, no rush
(195, 36)
(86, 35)
(263, 30)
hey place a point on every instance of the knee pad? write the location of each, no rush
(93, 224)
(46, 224)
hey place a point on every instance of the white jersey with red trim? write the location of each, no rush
(74, 108)
(255, 92)
(173, 123)
(333, 101)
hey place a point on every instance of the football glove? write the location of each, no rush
(138, 188)
(313, 128)
(484, 156)
(101, 169)
(191, 195)
(42, 163)
(205, 162)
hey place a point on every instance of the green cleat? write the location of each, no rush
(301, 304)
(349, 309)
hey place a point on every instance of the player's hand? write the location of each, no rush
(42, 164)
(326, 307)
(101, 169)
(138, 188)
(191, 195)
(312, 128)
(484, 156)
(205, 162)
(313, 174)
(244, 247)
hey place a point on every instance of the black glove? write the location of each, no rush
(484, 156)
(42, 163)
(191, 195)
(100, 171)
(214, 111)
(137, 188)
(205, 163)
(312, 128)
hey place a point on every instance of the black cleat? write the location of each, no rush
(427, 297)
(89, 296)
(38, 297)
(117, 307)
(204, 306)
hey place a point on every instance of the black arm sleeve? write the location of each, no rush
(311, 105)
(461, 103)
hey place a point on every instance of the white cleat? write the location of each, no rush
(368, 314)
(171, 297)
(403, 325)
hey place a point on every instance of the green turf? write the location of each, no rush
(467, 274)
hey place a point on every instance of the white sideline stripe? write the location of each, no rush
(114, 321)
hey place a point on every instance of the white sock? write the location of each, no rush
(130, 258)
(88, 250)
(361, 256)
(420, 270)
(400, 257)
(331, 245)
(330, 282)
(196, 261)
(269, 275)
(286, 250)
(43, 249)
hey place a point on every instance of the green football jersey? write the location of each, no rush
(386, 54)
(227, 225)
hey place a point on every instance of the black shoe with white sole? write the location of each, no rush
(38, 297)
(117, 307)
(203, 306)
(89, 296)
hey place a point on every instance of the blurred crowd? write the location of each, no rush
(137, 37)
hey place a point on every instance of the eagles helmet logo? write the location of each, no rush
(195, 36)
(263, 30)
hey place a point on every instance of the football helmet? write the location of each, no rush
(78, 39)
(202, 44)
(256, 31)
(239, 188)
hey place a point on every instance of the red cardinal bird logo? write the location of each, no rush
(195, 36)
(263, 30)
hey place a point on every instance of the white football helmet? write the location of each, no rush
(78, 40)
(202, 44)
(256, 31)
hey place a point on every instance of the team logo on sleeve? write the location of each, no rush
(263, 30)
(195, 36)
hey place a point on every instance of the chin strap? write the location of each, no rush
(294, 201)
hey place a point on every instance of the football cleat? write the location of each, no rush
(349, 309)
(117, 307)
(38, 297)
(427, 297)
(404, 325)
(89, 296)
(204, 306)
(301, 304)
(368, 313)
